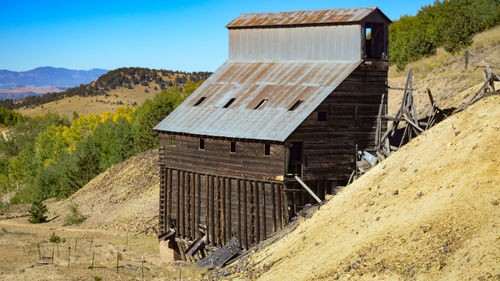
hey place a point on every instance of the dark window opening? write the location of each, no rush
(202, 144)
(261, 103)
(200, 101)
(267, 149)
(229, 102)
(295, 105)
(295, 159)
(172, 140)
(375, 41)
(233, 146)
(321, 116)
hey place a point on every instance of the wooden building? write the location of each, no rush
(298, 93)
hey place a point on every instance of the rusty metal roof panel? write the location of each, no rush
(310, 17)
(282, 84)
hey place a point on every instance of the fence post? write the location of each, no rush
(142, 268)
(91, 241)
(69, 255)
(466, 58)
(93, 253)
(39, 253)
(53, 250)
(117, 254)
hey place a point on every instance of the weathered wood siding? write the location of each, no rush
(221, 193)
(352, 110)
(248, 161)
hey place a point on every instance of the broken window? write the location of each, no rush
(202, 144)
(375, 47)
(233, 146)
(267, 149)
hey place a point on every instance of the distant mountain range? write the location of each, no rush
(42, 80)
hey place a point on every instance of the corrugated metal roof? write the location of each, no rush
(281, 83)
(301, 17)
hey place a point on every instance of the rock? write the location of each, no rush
(377, 218)
(494, 202)
(402, 169)
(457, 132)
(316, 244)
(420, 194)
(395, 192)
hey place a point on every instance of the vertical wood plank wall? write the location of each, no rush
(245, 209)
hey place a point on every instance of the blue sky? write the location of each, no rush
(177, 35)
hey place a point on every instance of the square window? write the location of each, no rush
(321, 116)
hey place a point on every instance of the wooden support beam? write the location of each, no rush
(192, 206)
(213, 206)
(252, 212)
(257, 211)
(198, 206)
(308, 189)
(207, 207)
(223, 211)
(240, 241)
(273, 198)
(263, 196)
(169, 199)
(178, 197)
(217, 211)
(280, 206)
(229, 209)
(245, 213)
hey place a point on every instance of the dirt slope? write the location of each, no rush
(430, 211)
(124, 197)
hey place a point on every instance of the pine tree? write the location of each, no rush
(37, 212)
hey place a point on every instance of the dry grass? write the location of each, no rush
(19, 254)
(96, 104)
(441, 225)
(445, 74)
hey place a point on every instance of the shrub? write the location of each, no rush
(37, 212)
(54, 238)
(74, 217)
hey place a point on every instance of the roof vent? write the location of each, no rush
(261, 103)
(229, 103)
(295, 105)
(200, 101)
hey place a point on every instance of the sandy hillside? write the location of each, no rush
(124, 197)
(445, 74)
(430, 211)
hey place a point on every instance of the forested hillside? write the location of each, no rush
(50, 156)
(450, 24)
(128, 78)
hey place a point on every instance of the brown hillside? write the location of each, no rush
(95, 104)
(124, 197)
(430, 211)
